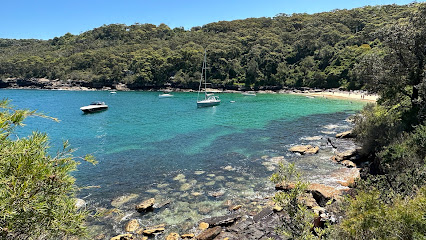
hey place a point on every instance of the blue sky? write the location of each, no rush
(45, 19)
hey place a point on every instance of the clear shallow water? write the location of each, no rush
(142, 142)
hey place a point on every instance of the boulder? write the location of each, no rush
(284, 186)
(346, 155)
(312, 150)
(154, 229)
(304, 149)
(131, 225)
(209, 234)
(348, 163)
(223, 220)
(323, 193)
(203, 226)
(145, 205)
(346, 176)
(79, 203)
(347, 134)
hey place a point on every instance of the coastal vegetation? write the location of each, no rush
(320, 50)
(37, 194)
(381, 49)
(389, 200)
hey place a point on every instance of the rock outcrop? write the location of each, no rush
(146, 205)
(209, 234)
(304, 149)
(347, 134)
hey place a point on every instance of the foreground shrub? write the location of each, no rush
(298, 222)
(368, 217)
(37, 192)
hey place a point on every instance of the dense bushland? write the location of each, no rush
(318, 50)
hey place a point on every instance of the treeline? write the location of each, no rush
(318, 50)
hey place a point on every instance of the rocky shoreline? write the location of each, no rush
(244, 222)
(75, 85)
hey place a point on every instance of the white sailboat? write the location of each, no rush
(209, 98)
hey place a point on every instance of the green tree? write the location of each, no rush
(37, 193)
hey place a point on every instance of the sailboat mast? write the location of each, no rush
(205, 73)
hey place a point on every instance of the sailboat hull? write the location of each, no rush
(207, 103)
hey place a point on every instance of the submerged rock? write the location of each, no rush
(185, 187)
(179, 177)
(196, 194)
(145, 205)
(119, 201)
(229, 168)
(217, 194)
(131, 225)
(173, 236)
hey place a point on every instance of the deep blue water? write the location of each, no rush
(143, 142)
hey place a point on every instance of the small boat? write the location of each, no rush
(209, 98)
(112, 92)
(165, 95)
(248, 93)
(231, 101)
(94, 107)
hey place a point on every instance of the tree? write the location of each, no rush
(397, 71)
(37, 192)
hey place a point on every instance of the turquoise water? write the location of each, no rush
(142, 142)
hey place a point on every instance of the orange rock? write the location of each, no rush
(145, 205)
(203, 226)
(302, 149)
(188, 235)
(173, 236)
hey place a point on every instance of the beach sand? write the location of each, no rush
(356, 96)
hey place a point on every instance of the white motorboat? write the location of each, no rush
(209, 98)
(165, 95)
(113, 92)
(94, 107)
(248, 93)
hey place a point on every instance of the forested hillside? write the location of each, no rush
(318, 50)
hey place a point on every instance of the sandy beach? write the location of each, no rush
(356, 96)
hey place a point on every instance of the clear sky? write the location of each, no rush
(45, 19)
